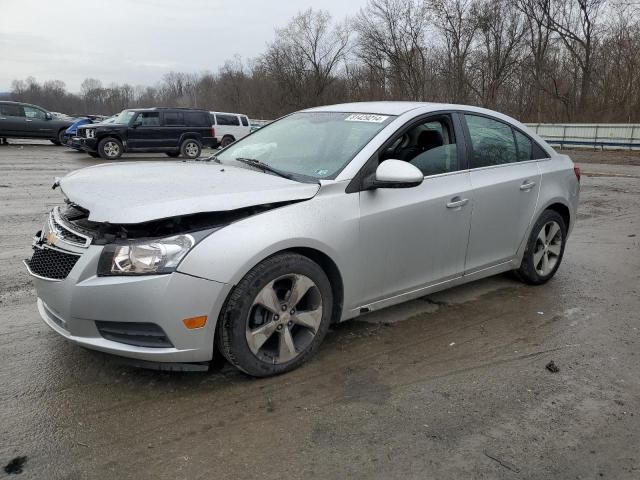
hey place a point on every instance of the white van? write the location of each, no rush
(229, 127)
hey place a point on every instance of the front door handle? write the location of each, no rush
(27, 120)
(527, 185)
(3, 118)
(457, 202)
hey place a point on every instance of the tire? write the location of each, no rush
(545, 249)
(110, 148)
(59, 140)
(94, 154)
(262, 341)
(190, 148)
(172, 154)
(226, 141)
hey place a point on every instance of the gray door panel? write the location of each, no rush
(413, 237)
(504, 201)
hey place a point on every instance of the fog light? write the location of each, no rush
(195, 322)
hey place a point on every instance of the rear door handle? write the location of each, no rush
(3, 118)
(27, 120)
(457, 202)
(527, 185)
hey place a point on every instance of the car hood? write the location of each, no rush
(137, 192)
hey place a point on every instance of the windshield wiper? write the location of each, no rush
(263, 166)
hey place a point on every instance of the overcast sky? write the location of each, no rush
(137, 41)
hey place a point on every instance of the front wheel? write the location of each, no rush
(277, 316)
(94, 154)
(544, 249)
(172, 154)
(110, 148)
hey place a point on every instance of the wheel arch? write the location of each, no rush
(562, 210)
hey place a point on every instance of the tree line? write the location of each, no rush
(538, 60)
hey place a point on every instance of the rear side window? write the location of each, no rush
(245, 121)
(196, 119)
(492, 142)
(222, 119)
(172, 119)
(11, 110)
(525, 146)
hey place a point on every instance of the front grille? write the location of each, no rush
(65, 234)
(135, 333)
(50, 263)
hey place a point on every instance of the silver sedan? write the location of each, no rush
(321, 216)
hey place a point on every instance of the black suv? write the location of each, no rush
(174, 131)
(23, 120)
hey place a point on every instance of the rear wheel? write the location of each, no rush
(94, 154)
(190, 148)
(277, 316)
(544, 250)
(172, 154)
(226, 141)
(110, 148)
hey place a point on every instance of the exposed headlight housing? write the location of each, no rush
(145, 257)
(91, 132)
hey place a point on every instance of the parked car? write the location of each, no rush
(174, 131)
(230, 127)
(71, 132)
(318, 217)
(23, 120)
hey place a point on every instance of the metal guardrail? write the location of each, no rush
(595, 135)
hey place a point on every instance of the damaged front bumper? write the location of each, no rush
(139, 317)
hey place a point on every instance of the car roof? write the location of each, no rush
(22, 103)
(227, 113)
(400, 108)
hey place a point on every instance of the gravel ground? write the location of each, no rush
(449, 386)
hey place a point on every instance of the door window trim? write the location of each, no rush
(356, 183)
(469, 143)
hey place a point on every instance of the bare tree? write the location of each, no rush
(456, 20)
(391, 42)
(305, 56)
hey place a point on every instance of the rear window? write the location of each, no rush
(196, 119)
(173, 118)
(245, 121)
(11, 110)
(222, 119)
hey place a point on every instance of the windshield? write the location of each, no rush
(313, 144)
(123, 117)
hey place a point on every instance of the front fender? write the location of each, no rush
(327, 223)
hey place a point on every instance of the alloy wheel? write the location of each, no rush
(284, 318)
(111, 149)
(548, 248)
(191, 149)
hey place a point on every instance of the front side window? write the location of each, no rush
(148, 119)
(34, 113)
(245, 121)
(430, 146)
(312, 144)
(492, 142)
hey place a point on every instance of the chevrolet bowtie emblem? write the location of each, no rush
(51, 238)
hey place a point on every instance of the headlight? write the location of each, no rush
(91, 132)
(145, 257)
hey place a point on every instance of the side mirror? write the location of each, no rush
(48, 116)
(395, 174)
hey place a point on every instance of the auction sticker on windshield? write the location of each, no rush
(366, 117)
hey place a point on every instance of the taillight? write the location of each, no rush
(576, 170)
(213, 132)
